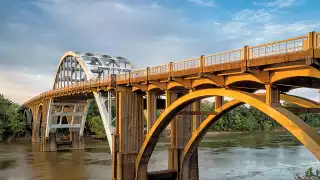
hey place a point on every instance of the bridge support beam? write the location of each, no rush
(105, 113)
(130, 136)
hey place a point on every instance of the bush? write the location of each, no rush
(309, 175)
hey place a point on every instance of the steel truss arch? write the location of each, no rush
(303, 132)
(90, 66)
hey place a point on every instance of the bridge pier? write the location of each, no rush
(151, 109)
(129, 134)
(77, 142)
(181, 131)
(190, 169)
(50, 143)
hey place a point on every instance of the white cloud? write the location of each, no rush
(276, 3)
(205, 3)
(147, 34)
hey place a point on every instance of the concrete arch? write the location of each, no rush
(306, 72)
(211, 119)
(240, 78)
(152, 87)
(303, 132)
(202, 81)
(173, 84)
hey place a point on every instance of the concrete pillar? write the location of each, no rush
(194, 165)
(46, 142)
(77, 142)
(272, 95)
(181, 130)
(191, 168)
(130, 134)
(170, 98)
(151, 109)
(219, 100)
(50, 143)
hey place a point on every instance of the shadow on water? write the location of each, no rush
(7, 164)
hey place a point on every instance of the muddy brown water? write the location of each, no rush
(275, 155)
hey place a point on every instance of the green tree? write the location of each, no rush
(309, 175)
(12, 122)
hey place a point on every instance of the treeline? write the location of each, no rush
(242, 118)
(12, 122)
(247, 118)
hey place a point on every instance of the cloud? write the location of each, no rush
(276, 3)
(205, 3)
(32, 40)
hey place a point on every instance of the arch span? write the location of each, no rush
(303, 132)
(306, 72)
(204, 127)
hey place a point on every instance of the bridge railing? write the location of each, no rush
(158, 72)
(138, 75)
(257, 54)
(185, 67)
(274, 52)
(223, 61)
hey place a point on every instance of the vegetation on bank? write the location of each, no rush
(309, 175)
(241, 119)
(12, 122)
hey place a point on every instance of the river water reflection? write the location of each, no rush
(275, 155)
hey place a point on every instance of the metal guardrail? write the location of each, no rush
(162, 69)
(186, 64)
(138, 73)
(278, 47)
(224, 57)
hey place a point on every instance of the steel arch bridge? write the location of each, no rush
(177, 89)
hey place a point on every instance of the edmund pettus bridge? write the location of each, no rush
(176, 89)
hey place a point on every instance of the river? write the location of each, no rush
(275, 155)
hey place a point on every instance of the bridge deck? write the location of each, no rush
(289, 53)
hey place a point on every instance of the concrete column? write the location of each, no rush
(181, 130)
(194, 165)
(34, 125)
(191, 168)
(272, 95)
(130, 132)
(77, 142)
(219, 100)
(50, 143)
(170, 98)
(151, 109)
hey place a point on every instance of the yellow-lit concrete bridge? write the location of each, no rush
(276, 67)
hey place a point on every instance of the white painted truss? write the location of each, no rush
(74, 113)
(75, 67)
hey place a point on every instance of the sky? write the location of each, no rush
(34, 34)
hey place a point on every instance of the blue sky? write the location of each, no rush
(34, 34)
